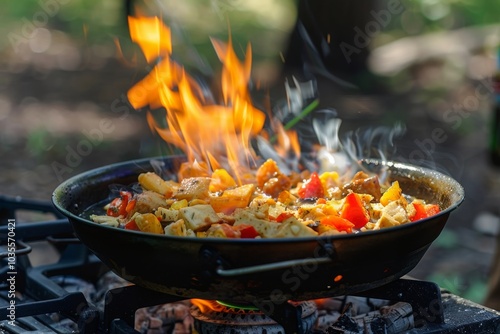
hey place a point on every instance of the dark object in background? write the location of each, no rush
(495, 127)
(332, 40)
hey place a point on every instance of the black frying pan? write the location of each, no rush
(245, 270)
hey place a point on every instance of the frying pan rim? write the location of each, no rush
(59, 190)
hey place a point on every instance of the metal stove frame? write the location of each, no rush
(432, 314)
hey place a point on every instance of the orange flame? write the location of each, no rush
(207, 305)
(215, 135)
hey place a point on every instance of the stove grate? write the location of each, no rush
(46, 304)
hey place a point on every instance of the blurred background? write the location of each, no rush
(66, 66)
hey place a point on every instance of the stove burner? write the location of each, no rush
(224, 318)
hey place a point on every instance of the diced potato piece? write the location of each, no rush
(233, 198)
(222, 231)
(410, 210)
(199, 217)
(276, 210)
(221, 180)
(148, 223)
(397, 211)
(292, 228)
(393, 193)
(152, 181)
(286, 197)
(197, 201)
(385, 221)
(167, 215)
(376, 210)
(179, 229)
(262, 203)
(393, 214)
(265, 228)
(216, 231)
(195, 187)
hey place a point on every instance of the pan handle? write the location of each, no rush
(271, 266)
(216, 265)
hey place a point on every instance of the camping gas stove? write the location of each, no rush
(77, 293)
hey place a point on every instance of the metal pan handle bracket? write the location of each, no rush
(327, 250)
(271, 266)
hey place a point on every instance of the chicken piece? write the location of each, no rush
(362, 183)
(194, 188)
(148, 201)
(271, 180)
(275, 185)
(199, 217)
(266, 171)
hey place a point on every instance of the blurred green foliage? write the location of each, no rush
(90, 21)
(424, 16)
(105, 18)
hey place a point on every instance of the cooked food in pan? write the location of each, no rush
(273, 205)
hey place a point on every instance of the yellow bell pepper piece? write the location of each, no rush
(393, 193)
(149, 223)
(221, 180)
(329, 180)
(179, 204)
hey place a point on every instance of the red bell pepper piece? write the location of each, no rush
(283, 216)
(339, 223)
(132, 225)
(321, 200)
(114, 207)
(118, 207)
(420, 212)
(424, 210)
(354, 211)
(312, 188)
(130, 205)
(432, 209)
(247, 231)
